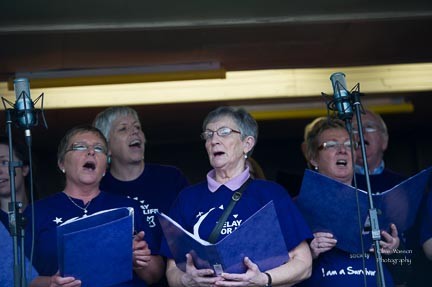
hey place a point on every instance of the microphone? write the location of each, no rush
(341, 96)
(24, 106)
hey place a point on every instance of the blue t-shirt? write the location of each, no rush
(197, 209)
(155, 190)
(56, 209)
(7, 256)
(337, 268)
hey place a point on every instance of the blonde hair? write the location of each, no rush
(314, 130)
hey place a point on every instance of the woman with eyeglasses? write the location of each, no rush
(230, 135)
(327, 148)
(82, 158)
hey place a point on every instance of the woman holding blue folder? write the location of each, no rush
(82, 158)
(327, 148)
(230, 135)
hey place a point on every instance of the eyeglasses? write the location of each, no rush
(222, 132)
(334, 145)
(365, 130)
(98, 148)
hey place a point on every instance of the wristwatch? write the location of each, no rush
(269, 282)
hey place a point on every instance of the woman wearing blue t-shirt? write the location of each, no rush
(82, 158)
(154, 185)
(327, 148)
(230, 135)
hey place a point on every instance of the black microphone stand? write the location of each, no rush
(16, 219)
(373, 214)
(352, 101)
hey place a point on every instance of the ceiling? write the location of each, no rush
(61, 35)
(43, 35)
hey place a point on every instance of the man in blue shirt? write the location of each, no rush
(381, 179)
(376, 142)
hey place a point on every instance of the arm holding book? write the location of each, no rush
(389, 241)
(325, 241)
(147, 266)
(322, 242)
(193, 277)
(295, 270)
(298, 268)
(54, 281)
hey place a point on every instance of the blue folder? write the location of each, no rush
(259, 238)
(331, 206)
(97, 249)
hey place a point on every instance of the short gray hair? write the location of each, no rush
(103, 121)
(245, 122)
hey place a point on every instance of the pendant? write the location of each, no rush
(85, 211)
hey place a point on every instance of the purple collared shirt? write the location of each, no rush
(232, 184)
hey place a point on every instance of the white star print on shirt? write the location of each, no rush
(58, 220)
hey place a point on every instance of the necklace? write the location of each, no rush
(74, 203)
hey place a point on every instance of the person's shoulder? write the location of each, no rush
(113, 197)
(196, 186)
(391, 173)
(112, 200)
(43, 207)
(165, 170)
(265, 183)
(191, 190)
(269, 188)
(49, 200)
(165, 175)
(162, 167)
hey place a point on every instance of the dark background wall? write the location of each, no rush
(278, 152)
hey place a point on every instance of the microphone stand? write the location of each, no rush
(373, 214)
(344, 104)
(16, 219)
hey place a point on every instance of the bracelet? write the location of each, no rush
(269, 282)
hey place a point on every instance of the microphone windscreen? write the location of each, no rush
(338, 83)
(22, 85)
(342, 101)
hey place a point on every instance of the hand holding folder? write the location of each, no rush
(331, 206)
(262, 242)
